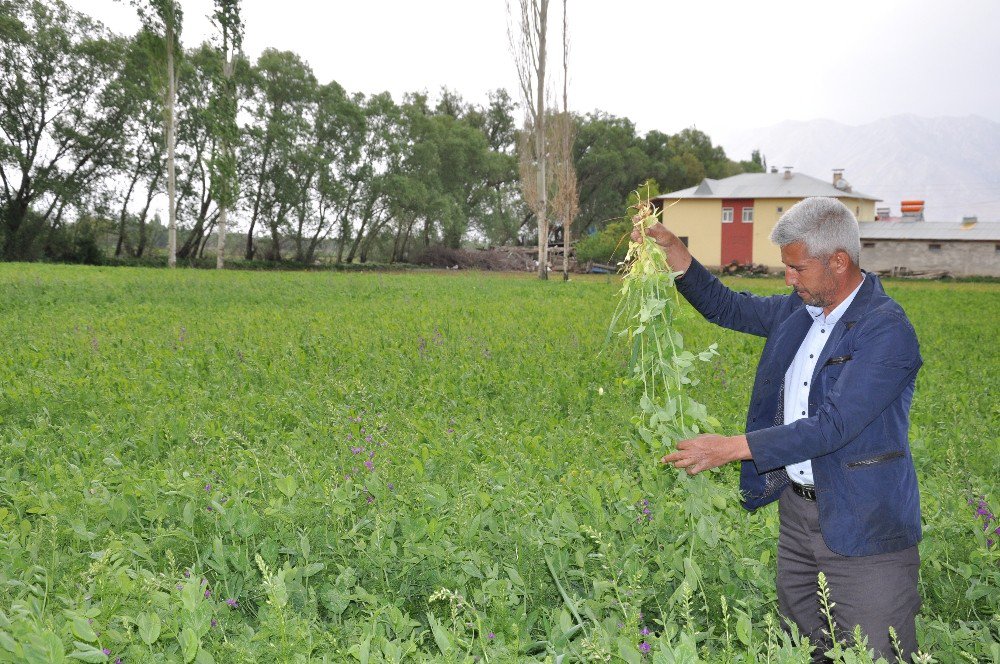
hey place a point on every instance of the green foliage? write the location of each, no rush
(59, 128)
(646, 319)
(608, 246)
(159, 428)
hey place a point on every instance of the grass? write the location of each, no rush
(171, 432)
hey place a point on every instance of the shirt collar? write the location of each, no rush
(834, 316)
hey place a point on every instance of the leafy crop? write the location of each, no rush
(285, 467)
(647, 310)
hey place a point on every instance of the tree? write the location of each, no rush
(282, 89)
(566, 200)
(198, 150)
(501, 215)
(365, 207)
(226, 17)
(609, 160)
(165, 17)
(141, 160)
(57, 117)
(529, 47)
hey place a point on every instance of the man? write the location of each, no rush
(826, 431)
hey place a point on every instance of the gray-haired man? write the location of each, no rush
(826, 431)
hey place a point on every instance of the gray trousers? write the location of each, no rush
(871, 591)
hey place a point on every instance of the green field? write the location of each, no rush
(285, 467)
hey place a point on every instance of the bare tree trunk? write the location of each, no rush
(221, 247)
(220, 252)
(529, 49)
(567, 188)
(123, 216)
(171, 175)
(540, 147)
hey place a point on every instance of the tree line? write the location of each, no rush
(295, 167)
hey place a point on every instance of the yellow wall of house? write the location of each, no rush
(766, 212)
(701, 222)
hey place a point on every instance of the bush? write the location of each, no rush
(75, 243)
(608, 246)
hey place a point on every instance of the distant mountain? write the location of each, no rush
(951, 163)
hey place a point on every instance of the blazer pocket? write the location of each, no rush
(839, 359)
(875, 460)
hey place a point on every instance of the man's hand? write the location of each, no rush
(677, 254)
(708, 451)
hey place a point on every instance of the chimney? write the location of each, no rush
(882, 214)
(838, 175)
(788, 172)
(969, 222)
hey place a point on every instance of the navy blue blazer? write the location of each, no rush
(859, 405)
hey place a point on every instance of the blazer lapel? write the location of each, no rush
(854, 312)
(787, 340)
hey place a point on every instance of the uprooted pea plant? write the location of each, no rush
(646, 318)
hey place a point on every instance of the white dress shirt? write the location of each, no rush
(800, 374)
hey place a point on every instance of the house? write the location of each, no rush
(902, 246)
(728, 220)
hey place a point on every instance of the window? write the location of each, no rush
(780, 209)
(727, 215)
(747, 215)
(868, 245)
(934, 247)
(996, 248)
(684, 241)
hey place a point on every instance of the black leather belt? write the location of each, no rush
(805, 491)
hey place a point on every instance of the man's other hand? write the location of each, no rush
(708, 451)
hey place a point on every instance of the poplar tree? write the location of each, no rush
(165, 17)
(224, 176)
(528, 35)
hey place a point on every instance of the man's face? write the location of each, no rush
(812, 279)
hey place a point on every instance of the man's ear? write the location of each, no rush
(840, 261)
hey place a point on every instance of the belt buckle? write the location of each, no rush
(806, 492)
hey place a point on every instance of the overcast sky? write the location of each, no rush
(720, 65)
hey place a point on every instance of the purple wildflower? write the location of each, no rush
(215, 623)
(232, 603)
(208, 488)
(357, 450)
(491, 636)
(644, 631)
(369, 465)
(208, 593)
(983, 511)
(368, 438)
(187, 574)
(392, 487)
(106, 651)
(371, 499)
(644, 647)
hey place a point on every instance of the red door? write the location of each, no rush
(737, 230)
